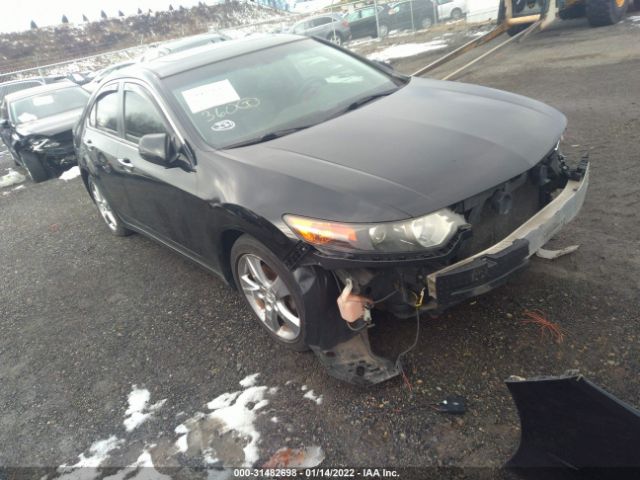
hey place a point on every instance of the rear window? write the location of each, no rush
(48, 104)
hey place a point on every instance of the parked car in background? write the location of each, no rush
(256, 160)
(416, 14)
(104, 73)
(182, 44)
(36, 126)
(332, 27)
(16, 85)
(362, 21)
(451, 9)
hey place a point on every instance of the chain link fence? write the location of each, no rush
(361, 25)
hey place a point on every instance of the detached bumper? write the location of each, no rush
(486, 270)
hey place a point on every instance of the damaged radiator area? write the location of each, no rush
(492, 214)
(507, 225)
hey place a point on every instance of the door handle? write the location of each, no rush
(126, 163)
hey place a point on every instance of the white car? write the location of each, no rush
(451, 9)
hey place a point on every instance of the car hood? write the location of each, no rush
(427, 146)
(50, 125)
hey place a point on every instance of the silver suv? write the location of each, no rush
(331, 26)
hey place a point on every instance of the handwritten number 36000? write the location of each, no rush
(230, 109)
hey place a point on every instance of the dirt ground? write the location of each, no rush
(85, 316)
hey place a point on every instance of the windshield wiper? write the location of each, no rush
(369, 98)
(268, 136)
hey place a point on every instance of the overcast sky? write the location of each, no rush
(17, 15)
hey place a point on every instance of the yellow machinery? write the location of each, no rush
(519, 14)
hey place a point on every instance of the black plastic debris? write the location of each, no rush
(454, 404)
(571, 428)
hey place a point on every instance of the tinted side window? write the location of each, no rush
(106, 112)
(321, 21)
(368, 12)
(141, 117)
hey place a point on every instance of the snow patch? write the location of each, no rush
(313, 397)
(138, 411)
(250, 380)
(86, 467)
(233, 413)
(70, 174)
(407, 50)
(223, 400)
(11, 178)
(142, 469)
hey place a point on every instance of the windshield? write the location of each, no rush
(48, 104)
(289, 86)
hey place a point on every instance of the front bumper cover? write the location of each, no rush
(484, 271)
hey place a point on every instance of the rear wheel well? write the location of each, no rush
(229, 237)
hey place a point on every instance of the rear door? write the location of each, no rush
(101, 142)
(164, 200)
(367, 22)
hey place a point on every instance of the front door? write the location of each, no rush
(163, 199)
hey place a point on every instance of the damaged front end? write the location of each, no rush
(502, 228)
(55, 152)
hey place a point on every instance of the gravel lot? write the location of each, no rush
(85, 316)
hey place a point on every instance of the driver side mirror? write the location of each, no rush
(157, 148)
(4, 123)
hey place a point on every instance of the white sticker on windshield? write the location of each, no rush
(42, 100)
(27, 117)
(223, 125)
(211, 95)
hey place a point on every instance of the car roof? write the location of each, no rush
(23, 80)
(185, 42)
(186, 60)
(30, 92)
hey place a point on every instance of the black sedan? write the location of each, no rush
(36, 126)
(300, 172)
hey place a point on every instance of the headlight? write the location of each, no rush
(413, 235)
(42, 143)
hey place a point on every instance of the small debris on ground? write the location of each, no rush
(536, 317)
(454, 404)
(307, 457)
(553, 254)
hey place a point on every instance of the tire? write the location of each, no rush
(110, 217)
(516, 29)
(519, 5)
(335, 38)
(606, 12)
(574, 11)
(456, 14)
(34, 167)
(383, 31)
(426, 22)
(271, 292)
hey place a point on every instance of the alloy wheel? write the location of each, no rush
(104, 208)
(269, 297)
